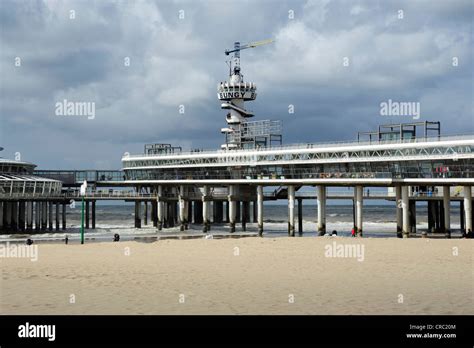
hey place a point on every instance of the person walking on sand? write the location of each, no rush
(353, 232)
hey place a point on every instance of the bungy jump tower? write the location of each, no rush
(413, 161)
(240, 133)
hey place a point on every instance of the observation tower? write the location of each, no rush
(240, 133)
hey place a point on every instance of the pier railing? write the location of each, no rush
(418, 140)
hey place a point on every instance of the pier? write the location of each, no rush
(174, 187)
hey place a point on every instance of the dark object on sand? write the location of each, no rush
(334, 233)
(66, 240)
(116, 237)
(29, 241)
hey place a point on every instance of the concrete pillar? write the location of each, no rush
(182, 212)
(21, 215)
(359, 189)
(398, 201)
(321, 201)
(255, 211)
(1, 215)
(37, 215)
(260, 209)
(93, 214)
(226, 211)
(291, 210)
(14, 218)
(44, 216)
(57, 216)
(405, 212)
(461, 217)
(232, 207)
(154, 217)
(437, 220)
(431, 223)
(87, 213)
(145, 212)
(205, 209)
(50, 215)
(138, 221)
(64, 216)
(447, 211)
(8, 216)
(29, 215)
(468, 208)
(300, 216)
(159, 206)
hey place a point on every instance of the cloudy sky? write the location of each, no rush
(410, 51)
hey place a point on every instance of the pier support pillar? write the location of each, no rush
(64, 216)
(154, 217)
(291, 210)
(37, 215)
(468, 209)
(1, 215)
(44, 216)
(255, 211)
(226, 211)
(431, 220)
(21, 215)
(461, 217)
(159, 206)
(145, 212)
(8, 216)
(232, 207)
(182, 209)
(321, 201)
(29, 215)
(87, 214)
(300, 216)
(14, 218)
(260, 209)
(398, 201)
(412, 206)
(406, 212)
(50, 215)
(93, 214)
(205, 209)
(447, 211)
(359, 189)
(57, 216)
(138, 221)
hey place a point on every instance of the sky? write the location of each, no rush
(142, 62)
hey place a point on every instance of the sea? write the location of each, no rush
(379, 221)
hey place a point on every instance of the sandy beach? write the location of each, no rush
(244, 276)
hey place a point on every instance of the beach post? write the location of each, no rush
(291, 210)
(321, 202)
(260, 209)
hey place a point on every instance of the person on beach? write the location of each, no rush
(353, 232)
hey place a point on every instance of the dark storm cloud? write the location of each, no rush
(177, 61)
